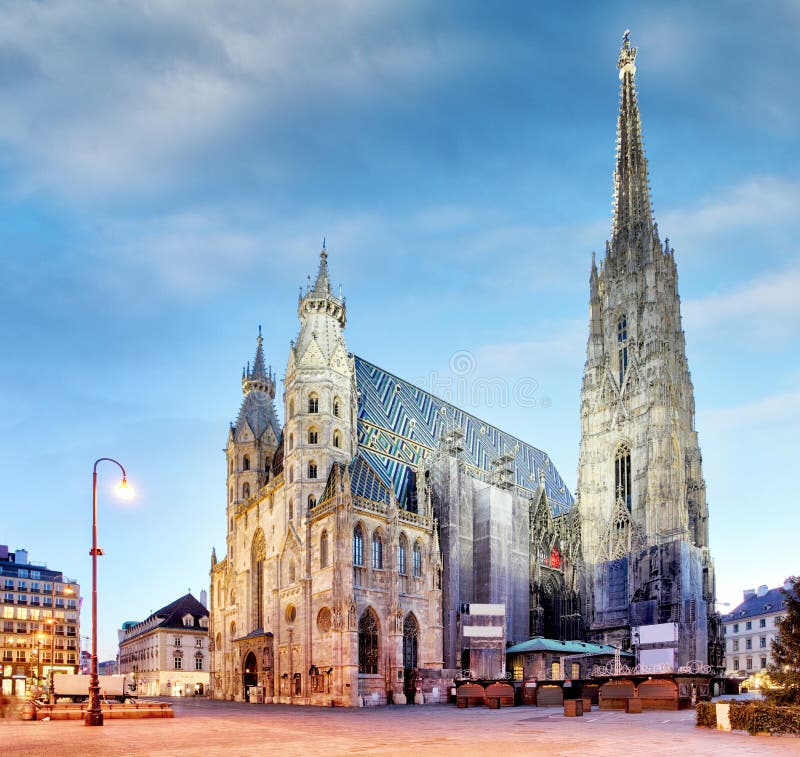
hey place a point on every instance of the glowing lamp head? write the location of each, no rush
(124, 490)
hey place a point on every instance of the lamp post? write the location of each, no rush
(52, 683)
(94, 715)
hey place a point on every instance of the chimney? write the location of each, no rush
(748, 593)
(3, 551)
(762, 590)
(204, 598)
(21, 557)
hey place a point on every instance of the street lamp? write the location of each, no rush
(52, 623)
(94, 715)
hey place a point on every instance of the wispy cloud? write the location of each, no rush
(775, 414)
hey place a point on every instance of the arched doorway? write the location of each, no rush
(250, 674)
(410, 642)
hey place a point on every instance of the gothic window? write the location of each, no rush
(246, 462)
(555, 670)
(257, 556)
(377, 551)
(417, 560)
(337, 439)
(291, 442)
(291, 474)
(313, 436)
(336, 406)
(622, 475)
(402, 549)
(245, 491)
(312, 469)
(410, 640)
(622, 346)
(313, 403)
(368, 643)
(230, 466)
(323, 550)
(312, 501)
(231, 494)
(291, 510)
(555, 558)
(358, 546)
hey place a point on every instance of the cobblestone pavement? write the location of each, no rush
(232, 729)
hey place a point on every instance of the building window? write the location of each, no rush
(198, 643)
(576, 670)
(377, 551)
(762, 642)
(177, 662)
(555, 671)
(245, 491)
(336, 406)
(622, 475)
(410, 641)
(323, 550)
(313, 404)
(313, 436)
(291, 510)
(177, 641)
(368, 643)
(749, 665)
(748, 626)
(337, 439)
(312, 501)
(312, 470)
(763, 663)
(762, 622)
(736, 645)
(417, 561)
(246, 462)
(736, 628)
(736, 663)
(358, 546)
(622, 346)
(198, 663)
(748, 644)
(401, 555)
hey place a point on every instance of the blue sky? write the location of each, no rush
(168, 171)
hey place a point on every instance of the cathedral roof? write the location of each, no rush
(399, 423)
(258, 413)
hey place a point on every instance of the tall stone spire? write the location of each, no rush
(323, 283)
(633, 214)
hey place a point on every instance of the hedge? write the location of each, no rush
(753, 717)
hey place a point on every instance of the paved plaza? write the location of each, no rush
(208, 728)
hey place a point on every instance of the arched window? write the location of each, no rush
(231, 494)
(230, 466)
(258, 553)
(291, 441)
(337, 439)
(313, 403)
(368, 643)
(291, 474)
(312, 501)
(377, 551)
(410, 640)
(312, 469)
(336, 406)
(622, 346)
(246, 462)
(323, 550)
(358, 546)
(417, 560)
(402, 549)
(313, 436)
(622, 475)
(245, 491)
(291, 510)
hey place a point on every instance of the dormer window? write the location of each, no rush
(188, 620)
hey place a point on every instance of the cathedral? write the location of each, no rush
(382, 542)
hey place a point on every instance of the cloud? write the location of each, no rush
(767, 306)
(771, 414)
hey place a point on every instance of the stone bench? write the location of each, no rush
(111, 711)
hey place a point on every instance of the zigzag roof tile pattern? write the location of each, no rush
(398, 423)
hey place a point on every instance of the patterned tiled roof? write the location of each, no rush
(398, 423)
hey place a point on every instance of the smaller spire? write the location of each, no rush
(323, 283)
(258, 377)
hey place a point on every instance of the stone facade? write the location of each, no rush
(642, 497)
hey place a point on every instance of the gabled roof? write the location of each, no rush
(753, 606)
(539, 644)
(399, 422)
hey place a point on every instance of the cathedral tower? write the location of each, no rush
(253, 439)
(319, 396)
(640, 484)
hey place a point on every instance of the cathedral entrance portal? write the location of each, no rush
(250, 674)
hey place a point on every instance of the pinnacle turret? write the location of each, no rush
(259, 376)
(323, 282)
(319, 298)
